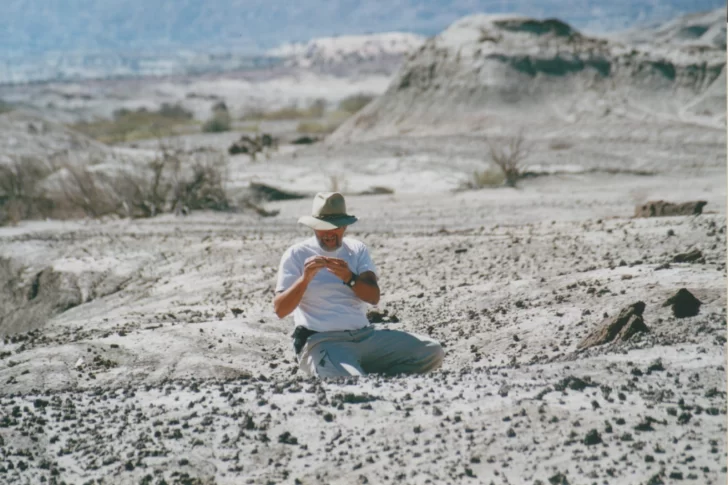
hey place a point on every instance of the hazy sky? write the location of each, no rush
(35, 26)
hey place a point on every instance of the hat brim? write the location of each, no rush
(327, 224)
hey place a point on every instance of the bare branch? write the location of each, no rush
(509, 155)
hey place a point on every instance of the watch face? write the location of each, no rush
(352, 283)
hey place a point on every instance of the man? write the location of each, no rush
(327, 281)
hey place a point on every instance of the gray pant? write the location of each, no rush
(368, 351)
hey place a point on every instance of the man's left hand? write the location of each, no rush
(339, 267)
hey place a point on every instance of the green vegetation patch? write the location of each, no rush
(130, 125)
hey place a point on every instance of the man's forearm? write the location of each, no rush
(287, 301)
(366, 288)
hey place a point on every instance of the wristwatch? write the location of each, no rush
(352, 281)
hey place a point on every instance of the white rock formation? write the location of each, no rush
(530, 71)
(381, 53)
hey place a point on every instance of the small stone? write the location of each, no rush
(655, 366)
(592, 438)
(684, 418)
(287, 438)
(558, 479)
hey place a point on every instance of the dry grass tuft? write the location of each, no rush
(487, 178)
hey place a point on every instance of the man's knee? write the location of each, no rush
(425, 358)
(328, 360)
(434, 355)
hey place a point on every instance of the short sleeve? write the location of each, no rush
(288, 272)
(365, 262)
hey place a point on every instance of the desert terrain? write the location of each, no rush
(146, 350)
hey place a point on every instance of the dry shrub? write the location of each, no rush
(146, 196)
(508, 155)
(91, 193)
(174, 182)
(218, 123)
(220, 120)
(177, 182)
(203, 187)
(20, 197)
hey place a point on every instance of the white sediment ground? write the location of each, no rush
(147, 350)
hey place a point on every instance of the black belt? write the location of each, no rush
(300, 335)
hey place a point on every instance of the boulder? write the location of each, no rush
(253, 145)
(377, 190)
(304, 140)
(684, 304)
(260, 191)
(661, 208)
(622, 327)
(693, 256)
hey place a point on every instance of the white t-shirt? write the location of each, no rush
(328, 304)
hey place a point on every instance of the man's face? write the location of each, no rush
(330, 240)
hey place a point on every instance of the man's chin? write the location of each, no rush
(329, 248)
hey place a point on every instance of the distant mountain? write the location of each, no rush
(35, 27)
(350, 54)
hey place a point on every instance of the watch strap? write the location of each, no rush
(352, 280)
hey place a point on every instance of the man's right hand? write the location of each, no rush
(287, 301)
(313, 265)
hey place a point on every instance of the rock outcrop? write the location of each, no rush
(627, 323)
(684, 304)
(661, 208)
